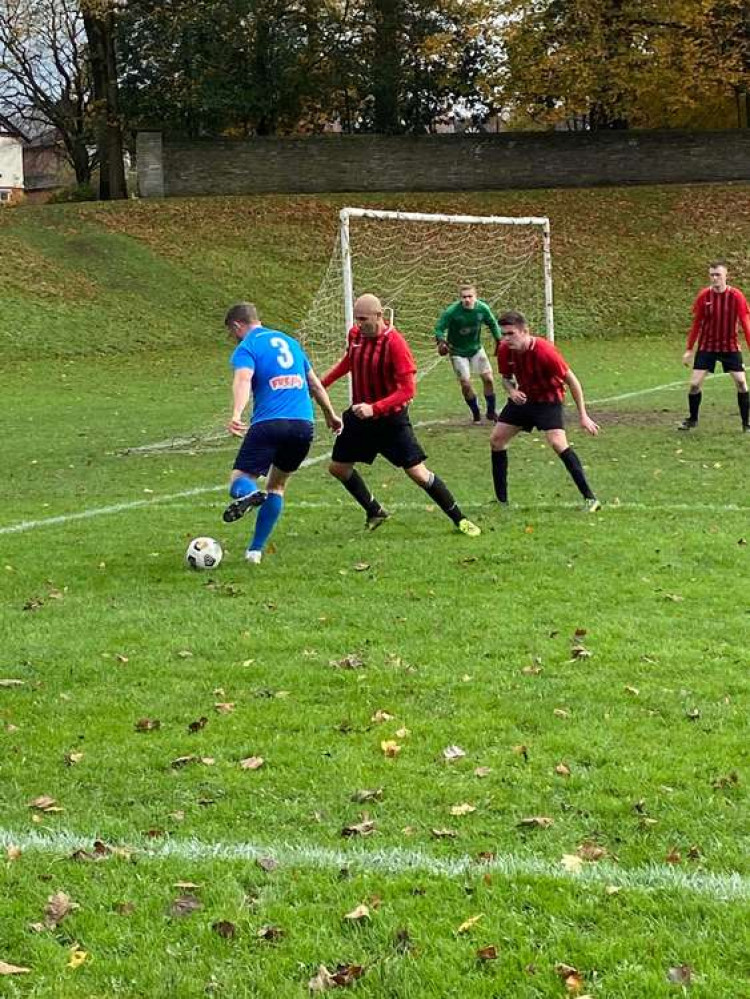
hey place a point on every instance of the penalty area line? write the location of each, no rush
(397, 861)
(103, 511)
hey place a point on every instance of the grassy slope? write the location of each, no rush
(660, 590)
(76, 280)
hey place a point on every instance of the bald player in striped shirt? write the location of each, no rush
(717, 312)
(383, 371)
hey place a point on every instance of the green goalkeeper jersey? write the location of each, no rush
(462, 328)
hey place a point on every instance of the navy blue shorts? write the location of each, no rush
(730, 360)
(282, 443)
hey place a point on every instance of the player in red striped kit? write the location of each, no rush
(535, 375)
(717, 312)
(383, 384)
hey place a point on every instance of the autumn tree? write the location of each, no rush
(623, 63)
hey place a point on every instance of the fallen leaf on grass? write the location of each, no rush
(12, 683)
(562, 770)
(444, 833)
(361, 566)
(693, 715)
(224, 929)
(381, 716)
(186, 885)
(537, 821)
(225, 707)
(571, 976)
(57, 908)
(270, 933)
(72, 758)
(531, 670)
(322, 980)
(453, 753)
(482, 771)
(561, 713)
(77, 957)
(633, 691)
(350, 661)
(267, 864)
(13, 852)
(488, 953)
(463, 809)
(185, 905)
(485, 857)
(682, 974)
(196, 726)
(12, 969)
(674, 856)
(100, 852)
(580, 652)
(591, 852)
(368, 794)
(468, 923)
(252, 763)
(364, 828)
(522, 750)
(44, 803)
(360, 912)
(727, 780)
(183, 761)
(403, 733)
(572, 863)
(124, 908)
(147, 725)
(390, 748)
(612, 890)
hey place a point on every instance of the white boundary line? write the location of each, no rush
(395, 860)
(102, 511)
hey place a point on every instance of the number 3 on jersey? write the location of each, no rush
(284, 357)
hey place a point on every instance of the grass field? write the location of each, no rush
(592, 669)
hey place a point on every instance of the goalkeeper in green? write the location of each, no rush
(459, 334)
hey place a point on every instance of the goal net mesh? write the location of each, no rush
(415, 268)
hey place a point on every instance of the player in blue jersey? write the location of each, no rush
(274, 368)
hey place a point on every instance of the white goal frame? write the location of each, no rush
(346, 257)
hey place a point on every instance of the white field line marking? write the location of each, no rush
(396, 861)
(102, 511)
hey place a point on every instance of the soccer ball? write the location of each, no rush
(203, 553)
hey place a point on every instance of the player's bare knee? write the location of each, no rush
(558, 441)
(419, 474)
(339, 471)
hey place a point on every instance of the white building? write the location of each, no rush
(11, 162)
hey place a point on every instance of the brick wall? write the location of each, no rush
(317, 164)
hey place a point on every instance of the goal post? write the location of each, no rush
(415, 262)
(541, 222)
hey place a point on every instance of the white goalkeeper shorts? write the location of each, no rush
(477, 364)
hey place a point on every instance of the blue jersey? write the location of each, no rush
(279, 366)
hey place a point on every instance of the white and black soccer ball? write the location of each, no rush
(203, 553)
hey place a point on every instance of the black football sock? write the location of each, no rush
(743, 401)
(356, 485)
(491, 403)
(500, 475)
(436, 489)
(473, 406)
(694, 402)
(573, 464)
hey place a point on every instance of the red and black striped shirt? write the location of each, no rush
(382, 370)
(716, 315)
(539, 371)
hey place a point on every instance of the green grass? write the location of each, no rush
(105, 626)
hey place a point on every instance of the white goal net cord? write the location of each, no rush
(415, 265)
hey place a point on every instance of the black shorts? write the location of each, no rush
(281, 443)
(542, 415)
(392, 436)
(731, 360)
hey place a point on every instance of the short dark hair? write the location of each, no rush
(719, 262)
(512, 318)
(242, 312)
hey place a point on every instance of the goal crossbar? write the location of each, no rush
(373, 213)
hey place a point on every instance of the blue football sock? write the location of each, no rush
(243, 487)
(265, 522)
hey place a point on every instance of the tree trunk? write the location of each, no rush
(386, 66)
(100, 34)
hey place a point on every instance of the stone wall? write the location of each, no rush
(327, 163)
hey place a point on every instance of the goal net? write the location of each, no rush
(415, 263)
